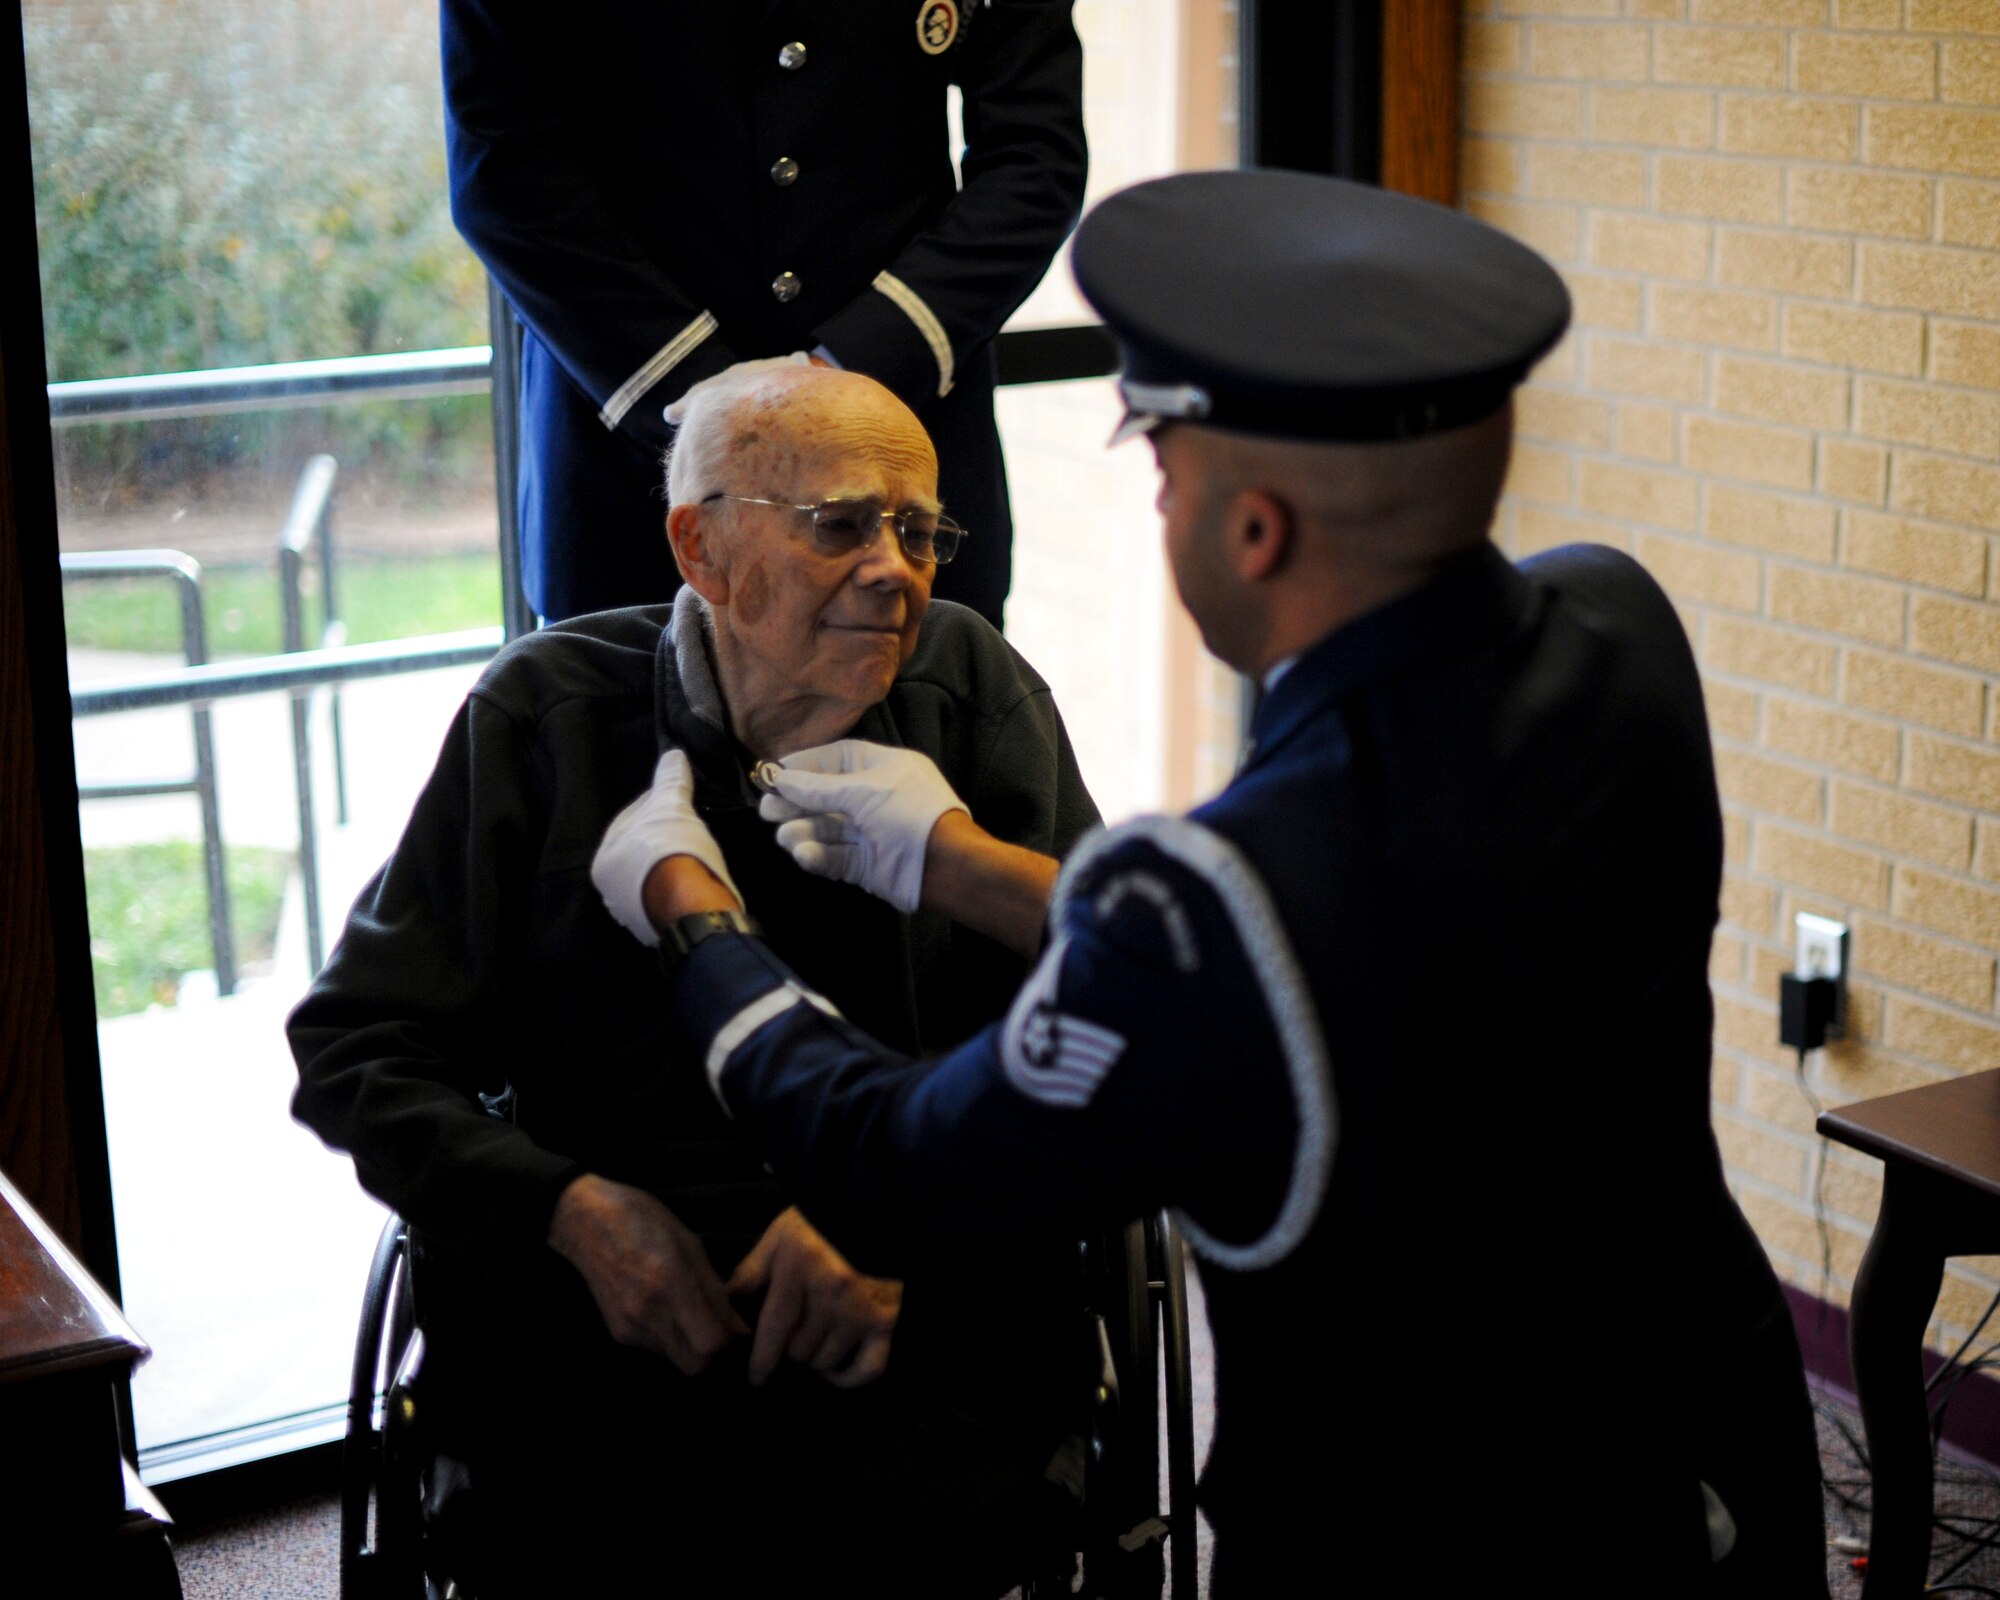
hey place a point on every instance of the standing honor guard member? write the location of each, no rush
(1411, 1022)
(665, 190)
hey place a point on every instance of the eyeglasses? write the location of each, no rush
(840, 527)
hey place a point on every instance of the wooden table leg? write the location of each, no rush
(1893, 1296)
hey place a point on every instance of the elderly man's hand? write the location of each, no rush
(659, 824)
(817, 1309)
(649, 1276)
(860, 812)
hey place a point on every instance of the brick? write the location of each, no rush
(1770, 655)
(1725, 959)
(1749, 1028)
(1948, 490)
(1969, 213)
(1551, 229)
(1868, 13)
(1953, 630)
(1846, 336)
(1952, 771)
(1737, 58)
(1487, 46)
(1871, 69)
(1912, 960)
(1647, 245)
(1524, 110)
(1833, 738)
(1852, 471)
(1661, 119)
(1785, 262)
(1852, 877)
(1924, 414)
(1787, 1228)
(1933, 139)
(1986, 848)
(1715, 186)
(1641, 367)
(1589, 174)
(1772, 786)
(1772, 13)
(1963, 283)
(1965, 352)
(1774, 1097)
(1590, 52)
(1663, 499)
(1735, 839)
(1650, 433)
(1896, 822)
(1776, 391)
(1940, 1036)
(1962, 1300)
(1602, 301)
(1801, 528)
(1560, 8)
(1561, 364)
(1898, 687)
(1537, 530)
(1655, 10)
(1490, 166)
(1761, 1155)
(1745, 320)
(1918, 552)
(1954, 16)
(1860, 608)
(1539, 473)
(1767, 125)
(1844, 201)
(1559, 417)
(1753, 907)
(1971, 72)
(1946, 905)
(1732, 713)
(1861, 1074)
(1851, 1191)
(1774, 456)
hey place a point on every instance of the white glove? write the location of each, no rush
(859, 812)
(675, 410)
(660, 823)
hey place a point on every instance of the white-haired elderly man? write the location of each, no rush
(606, 1274)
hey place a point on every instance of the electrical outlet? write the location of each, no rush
(1822, 953)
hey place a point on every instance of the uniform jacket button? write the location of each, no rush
(792, 56)
(785, 287)
(784, 172)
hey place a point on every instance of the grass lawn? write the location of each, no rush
(380, 598)
(149, 916)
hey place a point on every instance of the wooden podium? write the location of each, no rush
(70, 1502)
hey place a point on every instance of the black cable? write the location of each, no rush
(1965, 1343)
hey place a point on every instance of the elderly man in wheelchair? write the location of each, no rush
(650, 1366)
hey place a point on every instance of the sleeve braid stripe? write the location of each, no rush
(911, 304)
(736, 1032)
(658, 365)
(1269, 951)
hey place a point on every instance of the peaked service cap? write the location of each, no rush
(1306, 307)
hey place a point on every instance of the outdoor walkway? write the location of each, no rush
(243, 1244)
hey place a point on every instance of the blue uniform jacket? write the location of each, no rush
(662, 190)
(1378, 1022)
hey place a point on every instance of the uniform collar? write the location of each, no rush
(1471, 602)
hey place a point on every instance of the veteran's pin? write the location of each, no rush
(937, 26)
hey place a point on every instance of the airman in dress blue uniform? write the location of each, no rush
(1371, 1020)
(664, 190)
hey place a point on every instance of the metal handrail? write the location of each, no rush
(415, 375)
(185, 574)
(227, 680)
(310, 520)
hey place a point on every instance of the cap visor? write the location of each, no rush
(1135, 423)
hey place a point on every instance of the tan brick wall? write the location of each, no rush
(1780, 220)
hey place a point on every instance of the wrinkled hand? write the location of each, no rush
(675, 411)
(860, 812)
(649, 1276)
(817, 1309)
(660, 823)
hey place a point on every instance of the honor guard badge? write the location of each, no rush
(937, 26)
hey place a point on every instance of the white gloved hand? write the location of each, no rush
(676, 410)
(860, 812)
(660, 823)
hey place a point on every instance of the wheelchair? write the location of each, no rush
(395, 1489)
